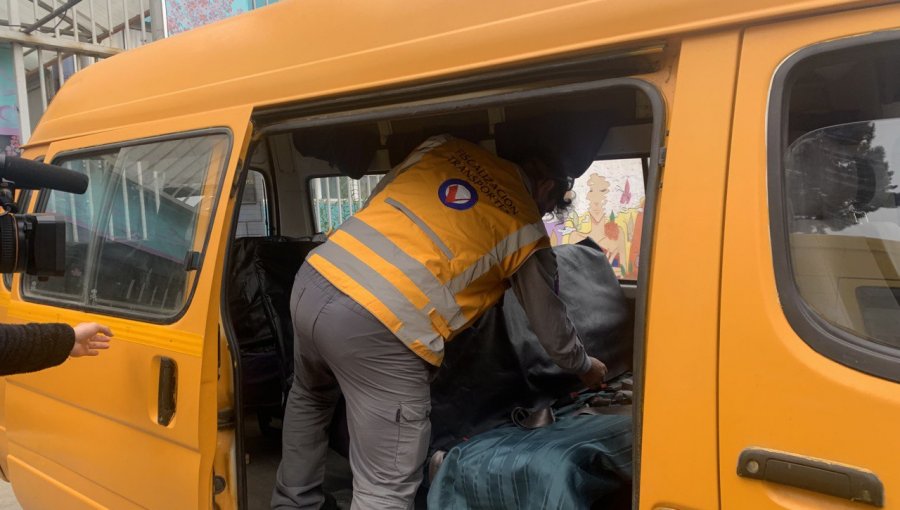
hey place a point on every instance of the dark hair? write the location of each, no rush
(536, 169)
(558, 145)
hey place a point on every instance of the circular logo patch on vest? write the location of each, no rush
(457, 194)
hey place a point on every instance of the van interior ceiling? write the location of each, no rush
(302, 182)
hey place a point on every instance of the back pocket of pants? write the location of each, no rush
(413, 435)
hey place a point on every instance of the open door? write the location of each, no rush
(23, 198)
(809, 376)
(135, 427)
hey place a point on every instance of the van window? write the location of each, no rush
(844, 225)
(840, 209)
(607, 207)
(253, 217)
(334, 199)
(130, 236)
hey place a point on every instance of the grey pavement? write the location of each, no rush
(7, 498)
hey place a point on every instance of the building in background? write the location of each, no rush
(184, 15)
(44, 42)
(10, 130)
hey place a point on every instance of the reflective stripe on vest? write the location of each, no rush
(441, 297)
(415, 323)
(418, 324)
(425, 263)
(506, 247)
(406, 164)
(422, 225)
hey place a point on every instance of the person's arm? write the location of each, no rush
(31, 347)
(536, 287)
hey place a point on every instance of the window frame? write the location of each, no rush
(837, 344)
(267, 196)
(309, 198)
(44, 195)
(271, 189)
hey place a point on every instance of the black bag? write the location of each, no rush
(598, 310)
(498, 364)
(263, 270)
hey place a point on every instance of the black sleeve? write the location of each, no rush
(31, 347)
(536, 287)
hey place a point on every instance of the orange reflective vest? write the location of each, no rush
(435, 248)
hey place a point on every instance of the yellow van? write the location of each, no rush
(746, 190)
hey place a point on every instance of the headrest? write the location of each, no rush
(349, 149)
(401, 144)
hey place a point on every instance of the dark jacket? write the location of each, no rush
(31, 347)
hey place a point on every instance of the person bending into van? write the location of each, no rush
(31, 347)
(439, 242)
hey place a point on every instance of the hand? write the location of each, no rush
(90, 338)
(593, 378)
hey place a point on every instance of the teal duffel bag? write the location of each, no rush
(582, 460)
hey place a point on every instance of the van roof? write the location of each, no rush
(300, 49)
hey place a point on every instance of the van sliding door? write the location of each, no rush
(136, 426)
(809, 372)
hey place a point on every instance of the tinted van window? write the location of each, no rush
(841, 149)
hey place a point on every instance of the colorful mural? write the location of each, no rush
(10, 130)
(607, 207)
(184, 15)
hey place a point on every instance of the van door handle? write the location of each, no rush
(812, 474)
(168, 389)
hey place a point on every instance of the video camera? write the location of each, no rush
(33, 243)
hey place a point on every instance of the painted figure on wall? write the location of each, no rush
(184, 15)
(559, 228)
(10, 130)
(601, 226)
(608, 208)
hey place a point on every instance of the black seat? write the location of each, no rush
(144, 278)
(262, 273)
(498, 363)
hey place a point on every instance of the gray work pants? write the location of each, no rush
(341, 347)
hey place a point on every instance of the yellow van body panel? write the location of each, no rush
(5, 301)
(775, 391)
(682, 321)
(704, 402)
(85, 432)
(122, 447)
(303, 49)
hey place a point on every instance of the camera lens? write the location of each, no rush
(10, 233)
